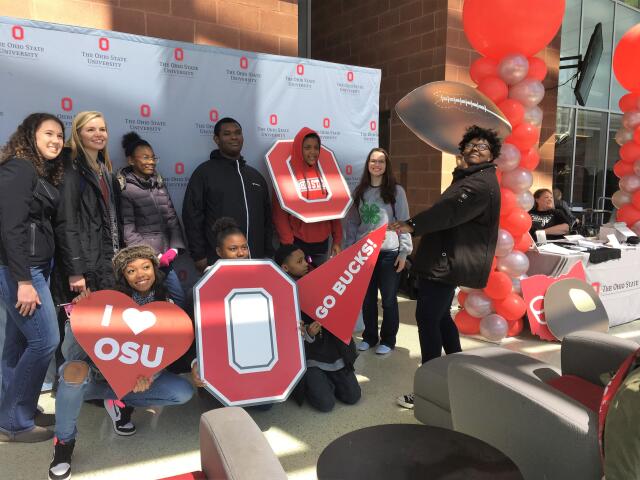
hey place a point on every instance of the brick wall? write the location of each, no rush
(269, 26)
(414, 42)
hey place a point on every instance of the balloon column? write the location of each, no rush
(508, 34)
(627, 169)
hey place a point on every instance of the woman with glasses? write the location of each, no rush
(379, 200)
(148, 216)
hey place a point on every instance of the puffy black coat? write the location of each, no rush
(221, 187)
(97, 225)
(459, 232)
(30, 219)
(148, 215)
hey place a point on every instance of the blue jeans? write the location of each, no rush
(166, 389)
(386, 279)
(29, 344)
(173, 286)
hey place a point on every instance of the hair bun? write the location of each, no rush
(129, 139)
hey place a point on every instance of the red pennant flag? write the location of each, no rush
(333, 293)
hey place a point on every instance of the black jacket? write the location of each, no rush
(30, 219)
(97, 225)
(148, 215)
(459, 232)
(328, 348)
(221, 187)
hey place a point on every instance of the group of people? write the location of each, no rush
(70, 225)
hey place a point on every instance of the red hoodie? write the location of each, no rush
(311, 187)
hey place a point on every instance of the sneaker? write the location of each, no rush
(60, 467)
(383, 349)
(35, 435)
(406, 401)
(121, 417)
(362, 346)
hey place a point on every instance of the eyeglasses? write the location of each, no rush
(481, 147)
(146, 158)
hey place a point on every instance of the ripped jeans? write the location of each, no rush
(166, 389)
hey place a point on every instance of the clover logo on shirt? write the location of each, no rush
(370, 213)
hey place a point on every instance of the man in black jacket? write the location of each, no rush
(459, 234)
(225, 186)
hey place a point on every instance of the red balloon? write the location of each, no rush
(494, 264)
(518, 222)
(537, 68)
(515, 327)
(507, 202)
(483, 67)
(630, 152)
(499, 175)
(628, 214)
(467, 324)
(636, 135)
(635, 199)
(494, 87)
(462, 296)
(511, 307)
(498, 27)
(498, 286)
(524, 136)
(630, 101)
(622, 168)
(625, 59)
(523, 243)
(513, 110)
(530, 159)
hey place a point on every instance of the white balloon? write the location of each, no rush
(513, 68)
(629, 183)
(509, 158)
(623, 136)
(518, 180)
(620, 198)
(515, 283)
(631, 119)
(514, 264)
(533, 116)
(505, 243)
(494, 327)
(525, 200)
(529, 92)
(478, 304)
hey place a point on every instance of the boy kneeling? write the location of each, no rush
(330, 372)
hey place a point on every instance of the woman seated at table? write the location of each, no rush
(544, 216)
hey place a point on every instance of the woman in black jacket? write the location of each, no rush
(148, 215)
(30, 169)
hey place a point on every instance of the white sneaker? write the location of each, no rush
(362, 346)
(407, 400)
(383, 349)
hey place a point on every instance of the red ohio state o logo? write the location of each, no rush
(300, 69)
(213, 115)
(350, 76)
(178, 54)
(145, 110)
(273, 119)
(326, 123)
(249, 346)
(66, 104)
(103, 44)
(17, 32)
(373, 125)
(244, 63)
(179, 168)
(349, 169)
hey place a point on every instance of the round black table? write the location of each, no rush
(407, 452)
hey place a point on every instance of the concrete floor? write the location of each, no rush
(167, 439)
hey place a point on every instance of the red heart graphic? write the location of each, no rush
(126, 340)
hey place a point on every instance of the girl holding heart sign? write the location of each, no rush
(137, 275)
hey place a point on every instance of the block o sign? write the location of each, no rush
(249, 346)
(334, 205)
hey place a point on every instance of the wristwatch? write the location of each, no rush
(412, 223)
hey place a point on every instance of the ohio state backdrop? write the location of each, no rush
(172, 93)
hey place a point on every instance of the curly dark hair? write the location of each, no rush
(388, 185)
(22, 144)
(224, 227)
(491, 136)
(131, 141)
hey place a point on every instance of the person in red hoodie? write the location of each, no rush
(311, 238)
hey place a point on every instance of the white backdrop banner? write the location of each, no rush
(172, 93)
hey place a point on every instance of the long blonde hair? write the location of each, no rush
(75, 143)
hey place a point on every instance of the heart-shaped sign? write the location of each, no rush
(126, 340)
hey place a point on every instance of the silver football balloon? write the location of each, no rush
(440, 112)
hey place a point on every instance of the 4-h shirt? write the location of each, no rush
(550, 218)
(373, 213)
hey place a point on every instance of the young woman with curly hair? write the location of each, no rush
(30, 218)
